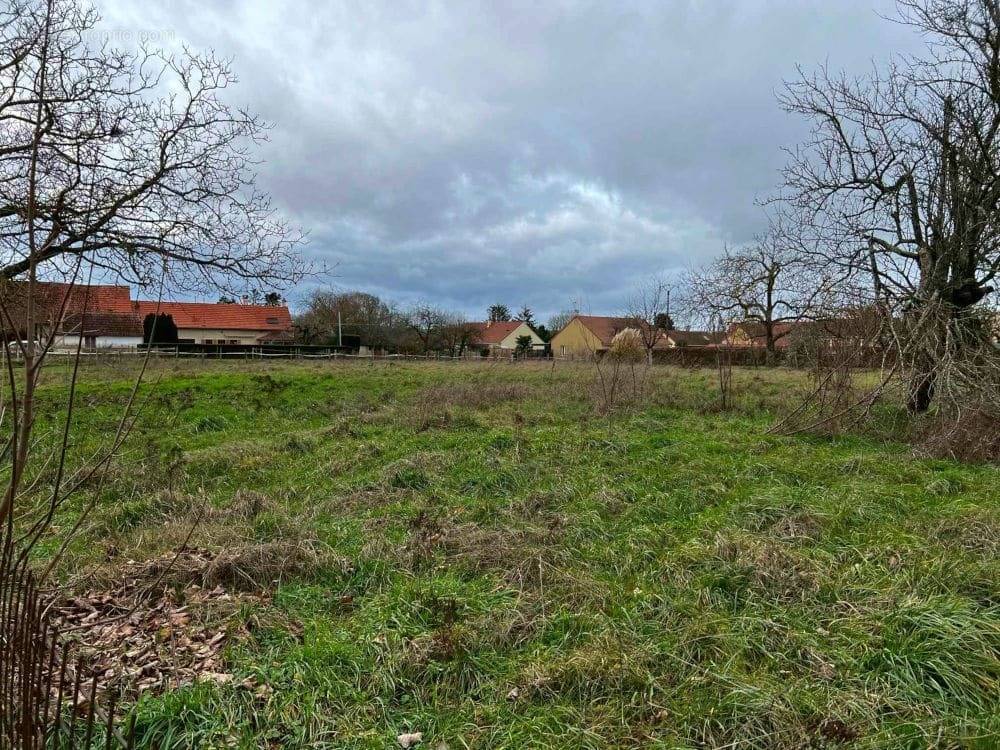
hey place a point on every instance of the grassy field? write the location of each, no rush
(478, 554)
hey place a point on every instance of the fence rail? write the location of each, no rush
(47, 699)
(681, 355)
(690, 356)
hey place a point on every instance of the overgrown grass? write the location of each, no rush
(471, 552)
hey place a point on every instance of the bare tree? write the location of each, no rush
(426, 322)
(648, 312)
(118, 164)
(329, 313)
(900, 181)
(769, 284)
(130, 162)
(558, 321)
(457, 334)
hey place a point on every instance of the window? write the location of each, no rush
(562, 349)
(271, 321)
(90, 342)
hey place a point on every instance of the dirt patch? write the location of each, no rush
(247, 567)
(142, 634)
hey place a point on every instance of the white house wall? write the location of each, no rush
(510, 342)
(102, 342)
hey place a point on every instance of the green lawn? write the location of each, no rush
(478, 554)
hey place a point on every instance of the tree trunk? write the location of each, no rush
(771, 348)
(921, 388)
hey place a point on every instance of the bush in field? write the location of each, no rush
(627, 346)
(523, 345)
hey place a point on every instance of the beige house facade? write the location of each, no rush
(502, 335)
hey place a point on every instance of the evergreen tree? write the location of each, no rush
(498, 313)
(159, 329)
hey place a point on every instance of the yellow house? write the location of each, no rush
(586, 335)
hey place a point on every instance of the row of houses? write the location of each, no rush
(106, 316)
(586, 335)
(589, 335)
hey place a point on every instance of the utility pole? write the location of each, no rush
(340, 331)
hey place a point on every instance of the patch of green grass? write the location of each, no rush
(516, 570)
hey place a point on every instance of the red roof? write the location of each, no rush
(754, 334)
(50, 296)
(120, 315)
(96, 297)
(220, 315)
(104, 324)
(493, 332)
(604, 327)
(55, 302)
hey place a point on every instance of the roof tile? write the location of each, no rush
(220, 315)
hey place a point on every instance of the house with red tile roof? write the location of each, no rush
(99, 330)
(503, 335)
(222, 323)
(106, 316)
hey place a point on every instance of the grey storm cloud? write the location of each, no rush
(525, 152)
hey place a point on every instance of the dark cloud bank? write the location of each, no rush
(533, 153)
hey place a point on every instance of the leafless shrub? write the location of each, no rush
(764, 287)
(971, 434)
(648, 314)
(621, 379)
(627, 346)
(724, 373)
(840, 353)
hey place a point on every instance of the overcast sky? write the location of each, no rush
(532, 153)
